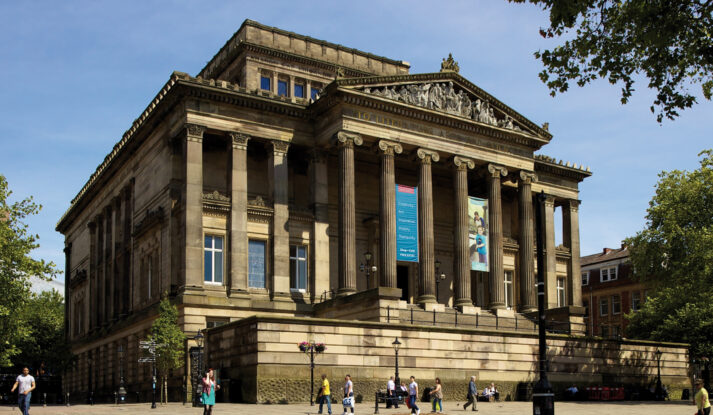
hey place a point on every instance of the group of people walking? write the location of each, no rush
(324, 395)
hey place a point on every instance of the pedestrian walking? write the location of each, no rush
(413, 396)
(324, 396)
(27, 384)
(701, 399)
(393, 398)
(348, 401)
(437, 397)
(209, 389)
(472, 395)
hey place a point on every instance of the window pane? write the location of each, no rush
(293, 274)
(302, 252)
(299, 91)
(218, 240)
(208, 266)
(314, 92)
(265, 83)
(302, 281)
(208, 241)
(256, 264)
(282, 88)
(218, 267)
(292, 250)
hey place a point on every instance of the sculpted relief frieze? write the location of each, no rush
(443, 97)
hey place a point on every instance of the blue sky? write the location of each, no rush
(76, 74)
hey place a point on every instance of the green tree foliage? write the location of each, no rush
(668, 42)
(674, 253)
(170, 340)
(16, 267)
(44, 346)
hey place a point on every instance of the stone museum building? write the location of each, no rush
(299, 190)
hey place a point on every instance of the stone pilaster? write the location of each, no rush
(527, 302)
(108, 253)
(280, 220)
(193, 259)
(495, 235)
(92, 300)
(99, 303)
(570, 226)
(347, 214)
(67, 293)
(387, 213)
(238, 214)
(426, 261)
(550, 254)
(320, 238)
(461, 243)
(117, 264)
(128, 247)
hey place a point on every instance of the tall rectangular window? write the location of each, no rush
(605, 331)
(265, 83)
(585, 278)
(603, 306)
(281, 88)
(213, 260)
(314, 91)
(298, 267)
(256, 264)
(299, 91)
(508, 289)
(636, 300)
(616, 304)
(561, 298)
(149, 275)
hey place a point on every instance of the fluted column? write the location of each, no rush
(193, 264)
(387, 213)
(495, 234)
(550, 254)
(528, 302)
(461, 243)
(347, 214)
(280, 218)
(238, 213)
(570, 226)
(427, 280)
(320, 237)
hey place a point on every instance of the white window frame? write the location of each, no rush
(635, 305)
(611, 273)
(561, 292)
(604, 300)
(507, 286)
(297, 259)
(585, 278)
(266, 251)
(213, 251)
(613, 310)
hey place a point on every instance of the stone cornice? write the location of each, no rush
(548, 165)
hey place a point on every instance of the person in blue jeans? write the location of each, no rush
(324, 396)
(412, 395)
(27, 384)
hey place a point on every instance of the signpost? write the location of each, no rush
(150, 346)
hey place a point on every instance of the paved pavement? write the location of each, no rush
(485, 408)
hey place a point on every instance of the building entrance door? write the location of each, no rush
(402, 281)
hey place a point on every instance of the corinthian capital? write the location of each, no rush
(497, 170)
(549, 201)
(574, 204)
(239, 141)
(345, 139)
(280, 147)
(427, 156)
(528, 177)
(194, 132)
(390, 147)
(463, 163)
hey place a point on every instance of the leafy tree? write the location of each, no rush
(170, 340)
(674, 254)
(45, 344)
(668, 42)
(16, 267)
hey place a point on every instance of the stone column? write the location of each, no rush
(128, 249)
(100, 271)
(67, 293)
(570, 225)
(527, 302)
(495, 235)
(461, 243)
(92, 300)
(387, 213)
(118, 256)
(193, 265)
(550, 254)
(426, 262)
(280, 220)
(320, 237)
(347, 214)
(108, 263)
(238, 214)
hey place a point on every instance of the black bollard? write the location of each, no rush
(376, 402)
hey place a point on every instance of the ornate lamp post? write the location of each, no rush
(311, 348)
(199, 385)
(397, 344)
(439, 277)
(122, 389)
(369, 268)
(659, 389)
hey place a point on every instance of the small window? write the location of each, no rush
(508, 290)
(298, 267)
(299, 91)
(616, 304)
(314, 91)
(256, 264)
(561, 297)
(265, 83)
(149, 275)
(213, 260)
(607, 274)
(215, 322)
(585, 278)
(282, 88)
(603, 307)
(605, 331)
(636, 300)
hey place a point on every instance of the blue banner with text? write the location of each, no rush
(406, 223)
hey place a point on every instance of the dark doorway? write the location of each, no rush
(402, 280)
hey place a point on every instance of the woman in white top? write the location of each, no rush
(348, 401)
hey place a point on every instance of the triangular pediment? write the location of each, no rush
(449, 93)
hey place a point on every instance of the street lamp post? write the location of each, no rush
(199, 342)
(397, 344)
(122, 389)
(369, 268)
(439, 277)
(312, 348)
(659, 389)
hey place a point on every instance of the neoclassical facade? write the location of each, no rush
(258, 186)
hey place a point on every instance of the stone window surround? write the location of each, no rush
(561, 291)
(274, 76)
(306, 244)
(509, 291)
(219, 234)
(585, 278)
(268, 260)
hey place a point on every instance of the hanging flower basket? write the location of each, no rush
(304, 347)
(320, 347)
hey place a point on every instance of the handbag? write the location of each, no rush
(347, 401)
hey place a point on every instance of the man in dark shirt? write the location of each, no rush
(472, 395)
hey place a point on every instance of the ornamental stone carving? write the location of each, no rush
(496, 170)
(215, 196)
(449, 65)
(528, 177)
(194, 132)
(239, 141)
(390, 147)
(280, 147)
(463, 163)
(427, 156)
(345, 139)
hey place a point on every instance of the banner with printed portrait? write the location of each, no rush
(478, 234)
(406, 223)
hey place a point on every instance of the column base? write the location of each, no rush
(494, 307)
(468, 309)
(434, 306)
(343, 292)
(426, 299)
(503, 312)
(527, 308)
